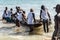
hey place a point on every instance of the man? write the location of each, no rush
(57, 22)
(45, 16)
(10, 12)
(5, 13)
(19, 17)
(31, 19)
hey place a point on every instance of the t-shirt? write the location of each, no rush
(5, 14)
(19, 16)
(44, 15)
(30, 18)
(9, 14)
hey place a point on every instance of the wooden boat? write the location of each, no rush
(36, 24)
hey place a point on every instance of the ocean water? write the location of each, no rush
(27, 4)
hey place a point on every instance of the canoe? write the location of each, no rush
(36, 24)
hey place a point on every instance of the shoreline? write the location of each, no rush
(23, 35)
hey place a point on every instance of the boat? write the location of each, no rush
(36, 24)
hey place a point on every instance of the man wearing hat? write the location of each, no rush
(57, 22)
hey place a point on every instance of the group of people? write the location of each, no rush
(20, 16)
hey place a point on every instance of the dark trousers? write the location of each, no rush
(31, 27)
(17, 23)
(8, 19)
(55, 33)
(45, 25)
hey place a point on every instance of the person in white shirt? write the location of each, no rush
(5, 13)
(24, 19)
(45, 16)
(31, 19)
(18, 16)
(10, 13)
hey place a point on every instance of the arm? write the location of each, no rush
(40, 15)
(15, 15)
(34, 17)
(56, 21)
(24, 16)
(49, 15)
(3, 16)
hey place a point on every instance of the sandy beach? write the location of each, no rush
(7, 32)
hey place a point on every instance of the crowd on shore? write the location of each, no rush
(20, 16)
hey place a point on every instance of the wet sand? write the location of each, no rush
(7, 32)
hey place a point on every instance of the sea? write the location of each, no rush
(27, 4)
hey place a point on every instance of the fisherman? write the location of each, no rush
(24, 19)
(10, 15)
(6, 15)
(45, 17)
(31, 19)
(19, 17)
